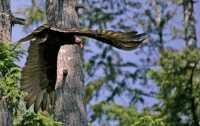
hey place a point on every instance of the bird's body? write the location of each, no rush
(39, 72)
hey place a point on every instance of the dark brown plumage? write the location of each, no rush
(39, 72)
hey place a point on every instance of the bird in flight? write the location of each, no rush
(39, 73)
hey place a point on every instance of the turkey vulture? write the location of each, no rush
(39, 73)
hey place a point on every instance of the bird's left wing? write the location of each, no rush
(120, 40)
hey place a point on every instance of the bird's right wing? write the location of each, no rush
(34, 79)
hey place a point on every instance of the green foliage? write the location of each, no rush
(9, 88)
(9, 54)
(39, 119)
(10, 73)
(92, 87)
(147, 120)
(128, 116)
(178, 80)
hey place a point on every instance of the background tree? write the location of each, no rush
(5, 36)
(178, 83)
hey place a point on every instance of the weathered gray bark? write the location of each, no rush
(69, 107)
(189, 22)
(5, 20)
(5, 36)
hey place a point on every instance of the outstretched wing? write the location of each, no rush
(121, 40)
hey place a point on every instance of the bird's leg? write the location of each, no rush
(78, 41)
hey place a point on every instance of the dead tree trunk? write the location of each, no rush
(189, 22)
(69, 107)
(5, 21)
(5, 36)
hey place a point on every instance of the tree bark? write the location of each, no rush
(189, 22)
(5, 36)
(69, 107)
(191, 42)
(5, 21)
